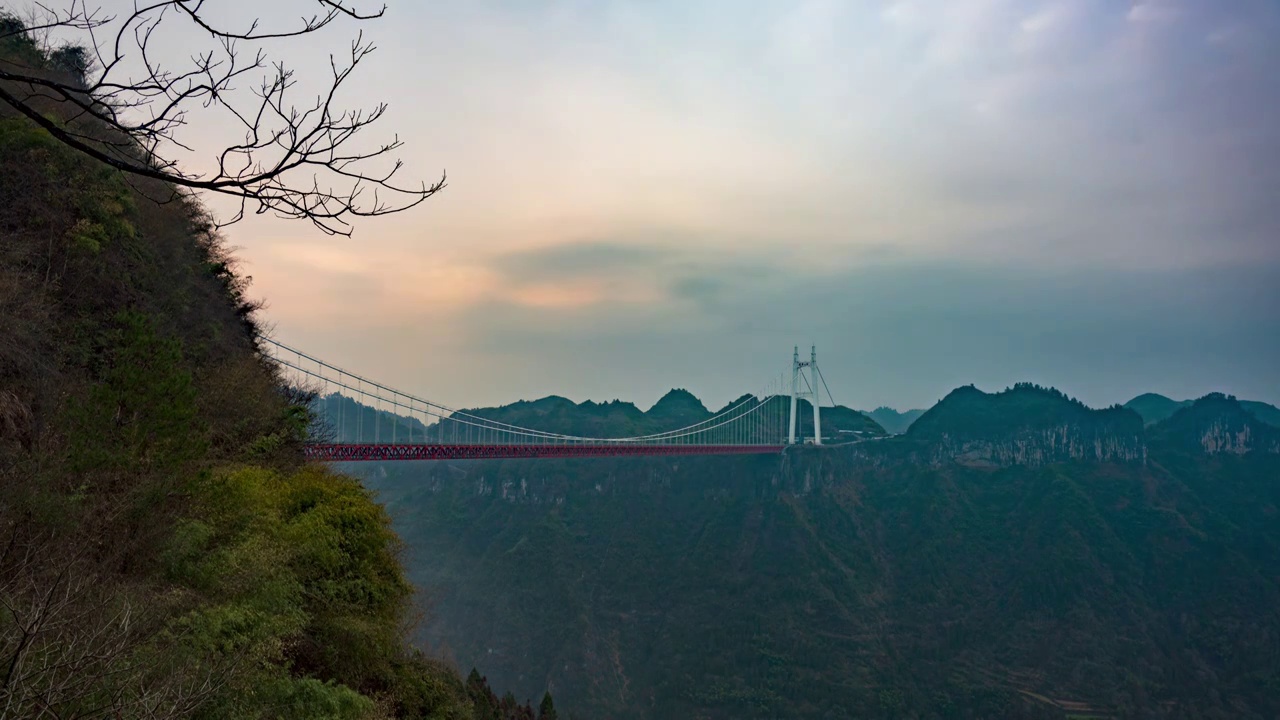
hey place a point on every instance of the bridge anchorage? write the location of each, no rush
(358, 419)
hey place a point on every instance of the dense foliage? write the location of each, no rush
(970, 412)
(164, 551)
(863, 583)
(1153, 408)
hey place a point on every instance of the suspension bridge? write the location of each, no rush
(364, 420)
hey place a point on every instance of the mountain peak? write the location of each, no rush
(968, 411)
(1026, 425)
(743, 400)
(1218, 423)
(678, 401)
(891, 420)
(1154, 407)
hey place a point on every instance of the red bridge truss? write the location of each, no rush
(355, 452)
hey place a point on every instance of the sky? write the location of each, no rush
(647, 195)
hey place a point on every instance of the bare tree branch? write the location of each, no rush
(295, 162)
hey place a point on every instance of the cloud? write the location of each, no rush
(975, 190)
(574, 260)
(1153, 11)
(899, 334)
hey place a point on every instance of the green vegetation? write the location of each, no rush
(970, 412)
(1217, 423)
(1154, 408)
(863, 582)
(1265, 412)
(164, 550)
(893, 421)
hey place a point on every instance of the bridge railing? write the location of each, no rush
(352, 409)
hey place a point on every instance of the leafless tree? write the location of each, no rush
(71, 637)
(107, 94)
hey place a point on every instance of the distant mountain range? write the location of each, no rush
(1153, 408)
(1012, 554)
(891, 420)
(680, 408)
(1024, 425)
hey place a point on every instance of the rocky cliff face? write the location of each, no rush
(758, 586)
(1033, 427)
(1041, 446)
(1217, 424)
(1221, 437)
(1023, 426)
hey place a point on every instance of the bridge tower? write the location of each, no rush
(797, 367)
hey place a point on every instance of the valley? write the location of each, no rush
(1013, 554)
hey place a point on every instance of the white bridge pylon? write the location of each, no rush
(797, 375)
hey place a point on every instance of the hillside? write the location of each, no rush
(892, 421)
(166, 552)
(884, 579)
(1215, 424)
(1154, 408)
(840, 423)
(1025, 424)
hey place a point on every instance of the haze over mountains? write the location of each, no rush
(892, 420)
(680, 408)
(942, 193)
(1012, 554)
(1153, 408)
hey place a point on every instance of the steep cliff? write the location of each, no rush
(1015, 555)
(821, 583)
(1024, 425)
(1214, 424)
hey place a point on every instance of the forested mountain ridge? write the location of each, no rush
(1024, 425)
(1154, 407)
(893, 421)
(1151, 406)
(1031, 425)
(879, 579)
(1217, 423)
(347, 419)
(165, 552)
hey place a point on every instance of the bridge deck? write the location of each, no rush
(351, 452)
